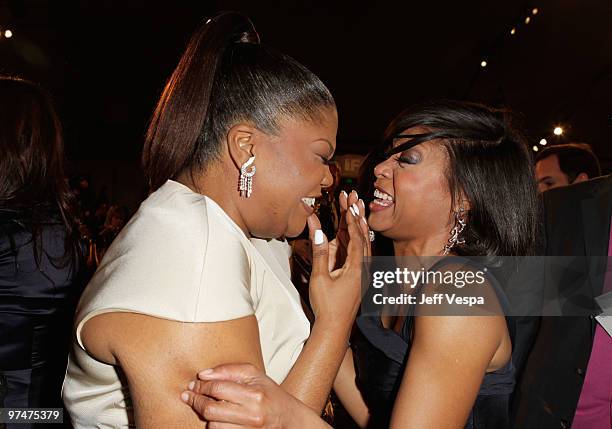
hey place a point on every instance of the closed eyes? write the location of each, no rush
(326, 161)
(411, 159)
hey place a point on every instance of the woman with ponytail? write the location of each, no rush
(237, 150)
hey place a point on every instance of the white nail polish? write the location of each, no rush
(356, 208)
(352, 211)
(344, 193)
(318, 237)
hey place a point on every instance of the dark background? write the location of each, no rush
(106, 61)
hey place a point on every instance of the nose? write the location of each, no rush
(328, 179)
(383, 170)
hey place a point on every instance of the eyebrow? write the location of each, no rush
(544, 178)
(331, 146)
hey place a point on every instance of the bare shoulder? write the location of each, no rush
(464, 316)
(465, 338)
(115, 336)
(450, 329)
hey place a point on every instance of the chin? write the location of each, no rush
(294, 231)
(377, 224)
(383, 228)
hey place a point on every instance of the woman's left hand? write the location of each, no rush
(240, 396)
(338, 246)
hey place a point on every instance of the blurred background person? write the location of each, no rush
(565, 164)
(39, 254)
(568, 377)
(116, 217)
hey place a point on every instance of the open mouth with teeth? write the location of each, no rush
(309, 203)
(382, 200)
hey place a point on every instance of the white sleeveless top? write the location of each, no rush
(182, 258)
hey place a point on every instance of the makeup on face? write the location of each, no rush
(383, 199)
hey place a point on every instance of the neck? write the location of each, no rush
(214, 184)
(426, 246)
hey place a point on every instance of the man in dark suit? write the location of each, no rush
(564, 370)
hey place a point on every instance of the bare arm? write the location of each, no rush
(335, 299)
(348, 393)
(448, 360)
(170, 353)
(310, 380)
(240, 396)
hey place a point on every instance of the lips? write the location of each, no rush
(382, 200)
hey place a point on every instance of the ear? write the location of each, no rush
(582, 177)
(241, 143)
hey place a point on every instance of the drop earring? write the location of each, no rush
(245, 185)
(455, 233)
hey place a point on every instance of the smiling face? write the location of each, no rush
(292, 168)
(412, 196)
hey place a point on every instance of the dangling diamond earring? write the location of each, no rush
(456, 231)
(245, 186)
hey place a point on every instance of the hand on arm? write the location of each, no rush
(241, 396)
(169, 353)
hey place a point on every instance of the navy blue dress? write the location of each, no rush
(381, 355)
(37, 302)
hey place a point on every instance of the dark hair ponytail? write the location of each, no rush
(224, 76)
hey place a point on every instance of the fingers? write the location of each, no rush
(357, 244)
(343, 200)
(219, 425)
(333, 249)
(353, 213)
(365, 228)
(224, 390)
(320, 251)
(358, 209)
(236, 372)
(229, 395)
(220, 412)
(365, 231)
(346, 201)
(195, 401)
(353, 197)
